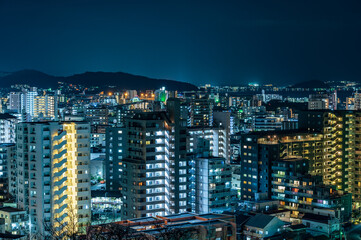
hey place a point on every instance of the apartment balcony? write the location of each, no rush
(301, 194)
(60, 145)
(61, 209)
(60, 173)
(83, 185)
(83, 158)
(83, 202)
(83, 131)
(82, 167)
(60, 191)
(83, 194)
(60, 136)
(83, 140)
(60, 200)
(59, 155)
(60, 182)
(61, 163)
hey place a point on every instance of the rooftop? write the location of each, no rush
(6, 116)
(316, 218)
(10, 209)
(259, 221)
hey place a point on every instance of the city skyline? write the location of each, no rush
(158, 120)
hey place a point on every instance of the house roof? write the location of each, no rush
(259, 221)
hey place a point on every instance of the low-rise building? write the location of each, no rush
(177, 226)
(322, 225)
(262, 226)
(15, 221)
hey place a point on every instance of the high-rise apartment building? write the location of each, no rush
(154, 167)
(15, 101)
(342, 134)
(318, 101)
(210, 185)
(97, 115)
(201, 112)
(115, 152)
(23, 102)
(7, 156)
(7, 128)
(302, 193)
(260, 149)
(323, 101)
(52, 181)
(45, 106)
(27, 101)
(217, 137)
(330, 140)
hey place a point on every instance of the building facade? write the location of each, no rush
(53, 159)
(154, 167)
(210, 185)
(7, 156)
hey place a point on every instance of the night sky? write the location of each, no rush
(217, 42)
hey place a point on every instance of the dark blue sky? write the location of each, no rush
(219, 42)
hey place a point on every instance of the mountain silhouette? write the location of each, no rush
(311, 84)
(116, 80)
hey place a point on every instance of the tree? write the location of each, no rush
(65, 227)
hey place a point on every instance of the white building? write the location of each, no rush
(53, 176)
(27, 101)
(45, 106)
(7, 128)
(217, 137)
(211, 182)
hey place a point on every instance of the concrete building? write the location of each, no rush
(15, 221)
(267, 123)
(115, 152)
(261, 149)
(342, 138)
(97, 115)
(322, 225)
(318, 102)
(262, 226)
(97, 140)
(53, 175)
(7, 128)
(201, 112)
(27, 101)
(217, 137)
(176, 226)
(15, 102)
(301, 193)
(7, 156)
(154, 167)
(45, 107)
(210, 185)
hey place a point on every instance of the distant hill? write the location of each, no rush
(311, 84)
(119, 80)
